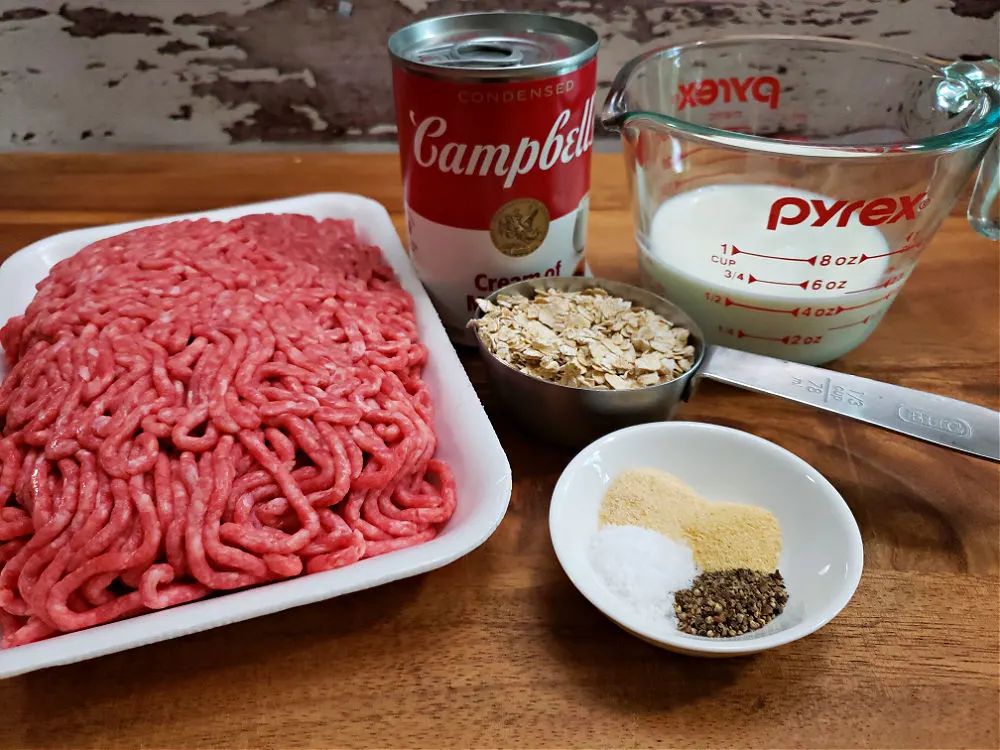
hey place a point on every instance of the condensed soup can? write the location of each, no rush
(495, 113)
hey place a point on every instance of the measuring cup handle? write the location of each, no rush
(982, 211)
(943, 421)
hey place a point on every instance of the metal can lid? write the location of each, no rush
(492, 46)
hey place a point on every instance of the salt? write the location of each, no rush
(643, 567)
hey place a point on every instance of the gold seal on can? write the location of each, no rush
(519, 227)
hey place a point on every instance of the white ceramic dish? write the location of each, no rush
(466, 440)
(821, 558)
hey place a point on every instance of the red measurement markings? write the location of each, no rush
(851, 325)
(744, 335)
(731, 303)
(841, 309)
(754, 280)
(792, 339)
(814, 284)
(884, 285)
(805, 312)
(811, 261)
(839, 260)
(904, 249)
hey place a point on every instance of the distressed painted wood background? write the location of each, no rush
(89, 75)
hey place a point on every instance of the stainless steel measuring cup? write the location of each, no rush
(576, 416)
(783, 188)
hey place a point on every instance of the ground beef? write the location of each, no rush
(203, 406)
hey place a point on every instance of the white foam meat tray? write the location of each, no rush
(466, 440)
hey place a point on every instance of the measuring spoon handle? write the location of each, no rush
(943, 421)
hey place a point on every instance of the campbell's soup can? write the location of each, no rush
(495, 113)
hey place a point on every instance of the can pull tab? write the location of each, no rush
(495, 52)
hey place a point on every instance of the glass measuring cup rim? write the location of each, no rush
(617, 113)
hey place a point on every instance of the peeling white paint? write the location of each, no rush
(315, 118)
(67, 105)
(166, 9)
(419, 6)
(66, 99)
(415, 6)
(268, 75)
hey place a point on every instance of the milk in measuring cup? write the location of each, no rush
(803, 292)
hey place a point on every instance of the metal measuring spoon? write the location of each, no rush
(577, 416)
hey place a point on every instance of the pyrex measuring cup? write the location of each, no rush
(783, 188)
(577, 416)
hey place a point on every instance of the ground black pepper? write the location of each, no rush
(726, 603)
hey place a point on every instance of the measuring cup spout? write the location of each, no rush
(616, 108)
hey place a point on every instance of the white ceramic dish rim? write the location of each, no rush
(459, 403)
(609, 605)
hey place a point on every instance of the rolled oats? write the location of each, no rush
(585, 339)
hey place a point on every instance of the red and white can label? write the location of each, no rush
(496, 178)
